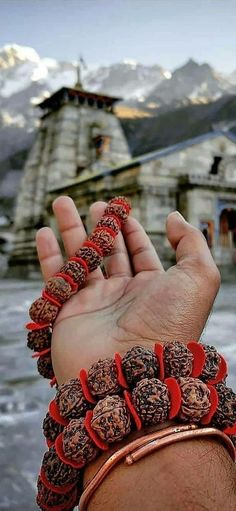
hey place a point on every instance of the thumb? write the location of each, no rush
(190, 246)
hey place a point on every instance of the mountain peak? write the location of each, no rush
(11, 54)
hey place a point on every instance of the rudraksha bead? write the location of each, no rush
(58, 288)
(77, 444)
(103, 239)
(76, 271)
(48, 498)
(57, 472)
(120, 207)
(151, 400)
(178, 359)
(90, 256)
(71, 401)
(111, 419)
(225, 415)
(212, 363)
(51, 428)
(42, 310)
(44, 364)
(102, 378)
(195, 399)
(139, 363)
(109, 221)
(39, 340)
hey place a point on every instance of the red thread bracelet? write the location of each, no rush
(73, 285)
(132, 410)
(93, 435)
(49, 442)
(41, 353)
(122, 203)
(57, 489)
(91, 244)
(84, 384)
(120, 376)
(199, 358)
(61, 507)
(222, 372)
(60, 453)
(175, 396)
(36, 326)
(159, 351)
(214, 400)
(81, 261)
(51, 299)
(231, 430)
(53, 381)
(55, 414)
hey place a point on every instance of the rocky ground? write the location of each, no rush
(24, 396)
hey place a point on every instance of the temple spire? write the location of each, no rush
(80, 64)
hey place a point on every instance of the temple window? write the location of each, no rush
(215, 165)
(101, 143)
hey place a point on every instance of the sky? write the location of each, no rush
(164, 32)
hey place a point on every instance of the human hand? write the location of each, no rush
(139, 302)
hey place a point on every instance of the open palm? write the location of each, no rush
(138, 302)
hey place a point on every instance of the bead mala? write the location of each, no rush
(71, 277)
(115, 396)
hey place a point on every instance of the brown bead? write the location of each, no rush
(77, 444)
(111, 419)
(102, 378)
(44, 364)
(58, 288)
(71, 401)
(57, 472)
(109, 221)
(39, 340)
(90, 256)
(233, 439)
(212, 363)
(178, 359)
(151, 400)
(42, 310)
(103, 239)
(76, 271)
(48, 498)
(225, 415)
(195, 399)
(139, 363)
(117, 210)
(51, 428)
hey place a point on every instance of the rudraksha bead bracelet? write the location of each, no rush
(72, 276)
(111, 376)
(150, 403)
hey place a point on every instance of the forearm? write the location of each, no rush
(192, 475)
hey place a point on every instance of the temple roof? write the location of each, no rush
(58, 98)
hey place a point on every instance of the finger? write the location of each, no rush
(118, 263)
(49, 252)
(71, 228)
(142, 253)
(191, 248)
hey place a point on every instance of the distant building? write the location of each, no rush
(81, 150)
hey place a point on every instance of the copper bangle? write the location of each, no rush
(148, 444)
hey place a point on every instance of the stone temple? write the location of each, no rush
(81, 150)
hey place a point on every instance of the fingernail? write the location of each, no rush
(177, 213)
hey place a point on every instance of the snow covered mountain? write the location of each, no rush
(192, 83)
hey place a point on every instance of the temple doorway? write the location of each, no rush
(228, 228)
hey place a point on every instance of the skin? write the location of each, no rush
(140, 303)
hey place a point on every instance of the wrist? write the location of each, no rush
(176, 477)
